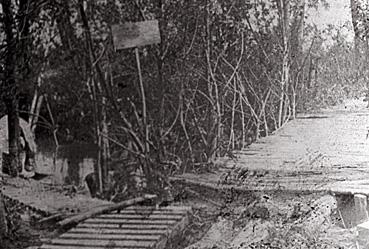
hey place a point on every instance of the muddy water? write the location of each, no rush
(67, 164)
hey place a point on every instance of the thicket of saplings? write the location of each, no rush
(224, 74)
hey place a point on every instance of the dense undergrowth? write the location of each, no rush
(224, 74)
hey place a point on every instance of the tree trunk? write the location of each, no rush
(3, 222)
(36, 105)
(285, 22)
(67, 33)
(105, 148)
(13, 135)
(215, 109)
(10, 88)
(355, 23)
(100, 87)
(296, 53)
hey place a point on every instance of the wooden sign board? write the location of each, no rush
(138, 34)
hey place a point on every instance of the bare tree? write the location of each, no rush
(284, 14)
(355, 23)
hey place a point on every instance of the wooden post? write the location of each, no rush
(135, 35)
(360, 208)
(143, 97)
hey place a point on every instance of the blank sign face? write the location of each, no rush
(138, 34)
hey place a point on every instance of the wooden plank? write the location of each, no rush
(152, 212)
(115, 237)
(351, 191)
(175, 231)
(361, 208)
(126, 221)
(168, 208)
(141, 217)
(93, 242)
(118, 231)
(103, 209)
(90, 247)
(125, 226)
(130, 35)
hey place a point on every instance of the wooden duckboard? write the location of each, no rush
(134, 227)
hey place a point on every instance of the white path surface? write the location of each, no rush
(327, 150)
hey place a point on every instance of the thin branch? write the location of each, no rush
(235, 68)
(137, 154)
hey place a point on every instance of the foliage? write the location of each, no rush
(225, 73)
(335, 73)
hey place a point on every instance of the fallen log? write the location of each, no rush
(52, 218)
(102, 209)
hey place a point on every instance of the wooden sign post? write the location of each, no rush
(134, 35)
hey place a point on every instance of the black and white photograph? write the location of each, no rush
(184, 124)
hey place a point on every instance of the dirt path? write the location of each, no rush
(46, 198)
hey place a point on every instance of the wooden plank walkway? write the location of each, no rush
(133, 227)
(139, 227)
(324, 151)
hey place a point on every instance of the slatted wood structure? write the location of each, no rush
(138, 227)
(324, 151)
